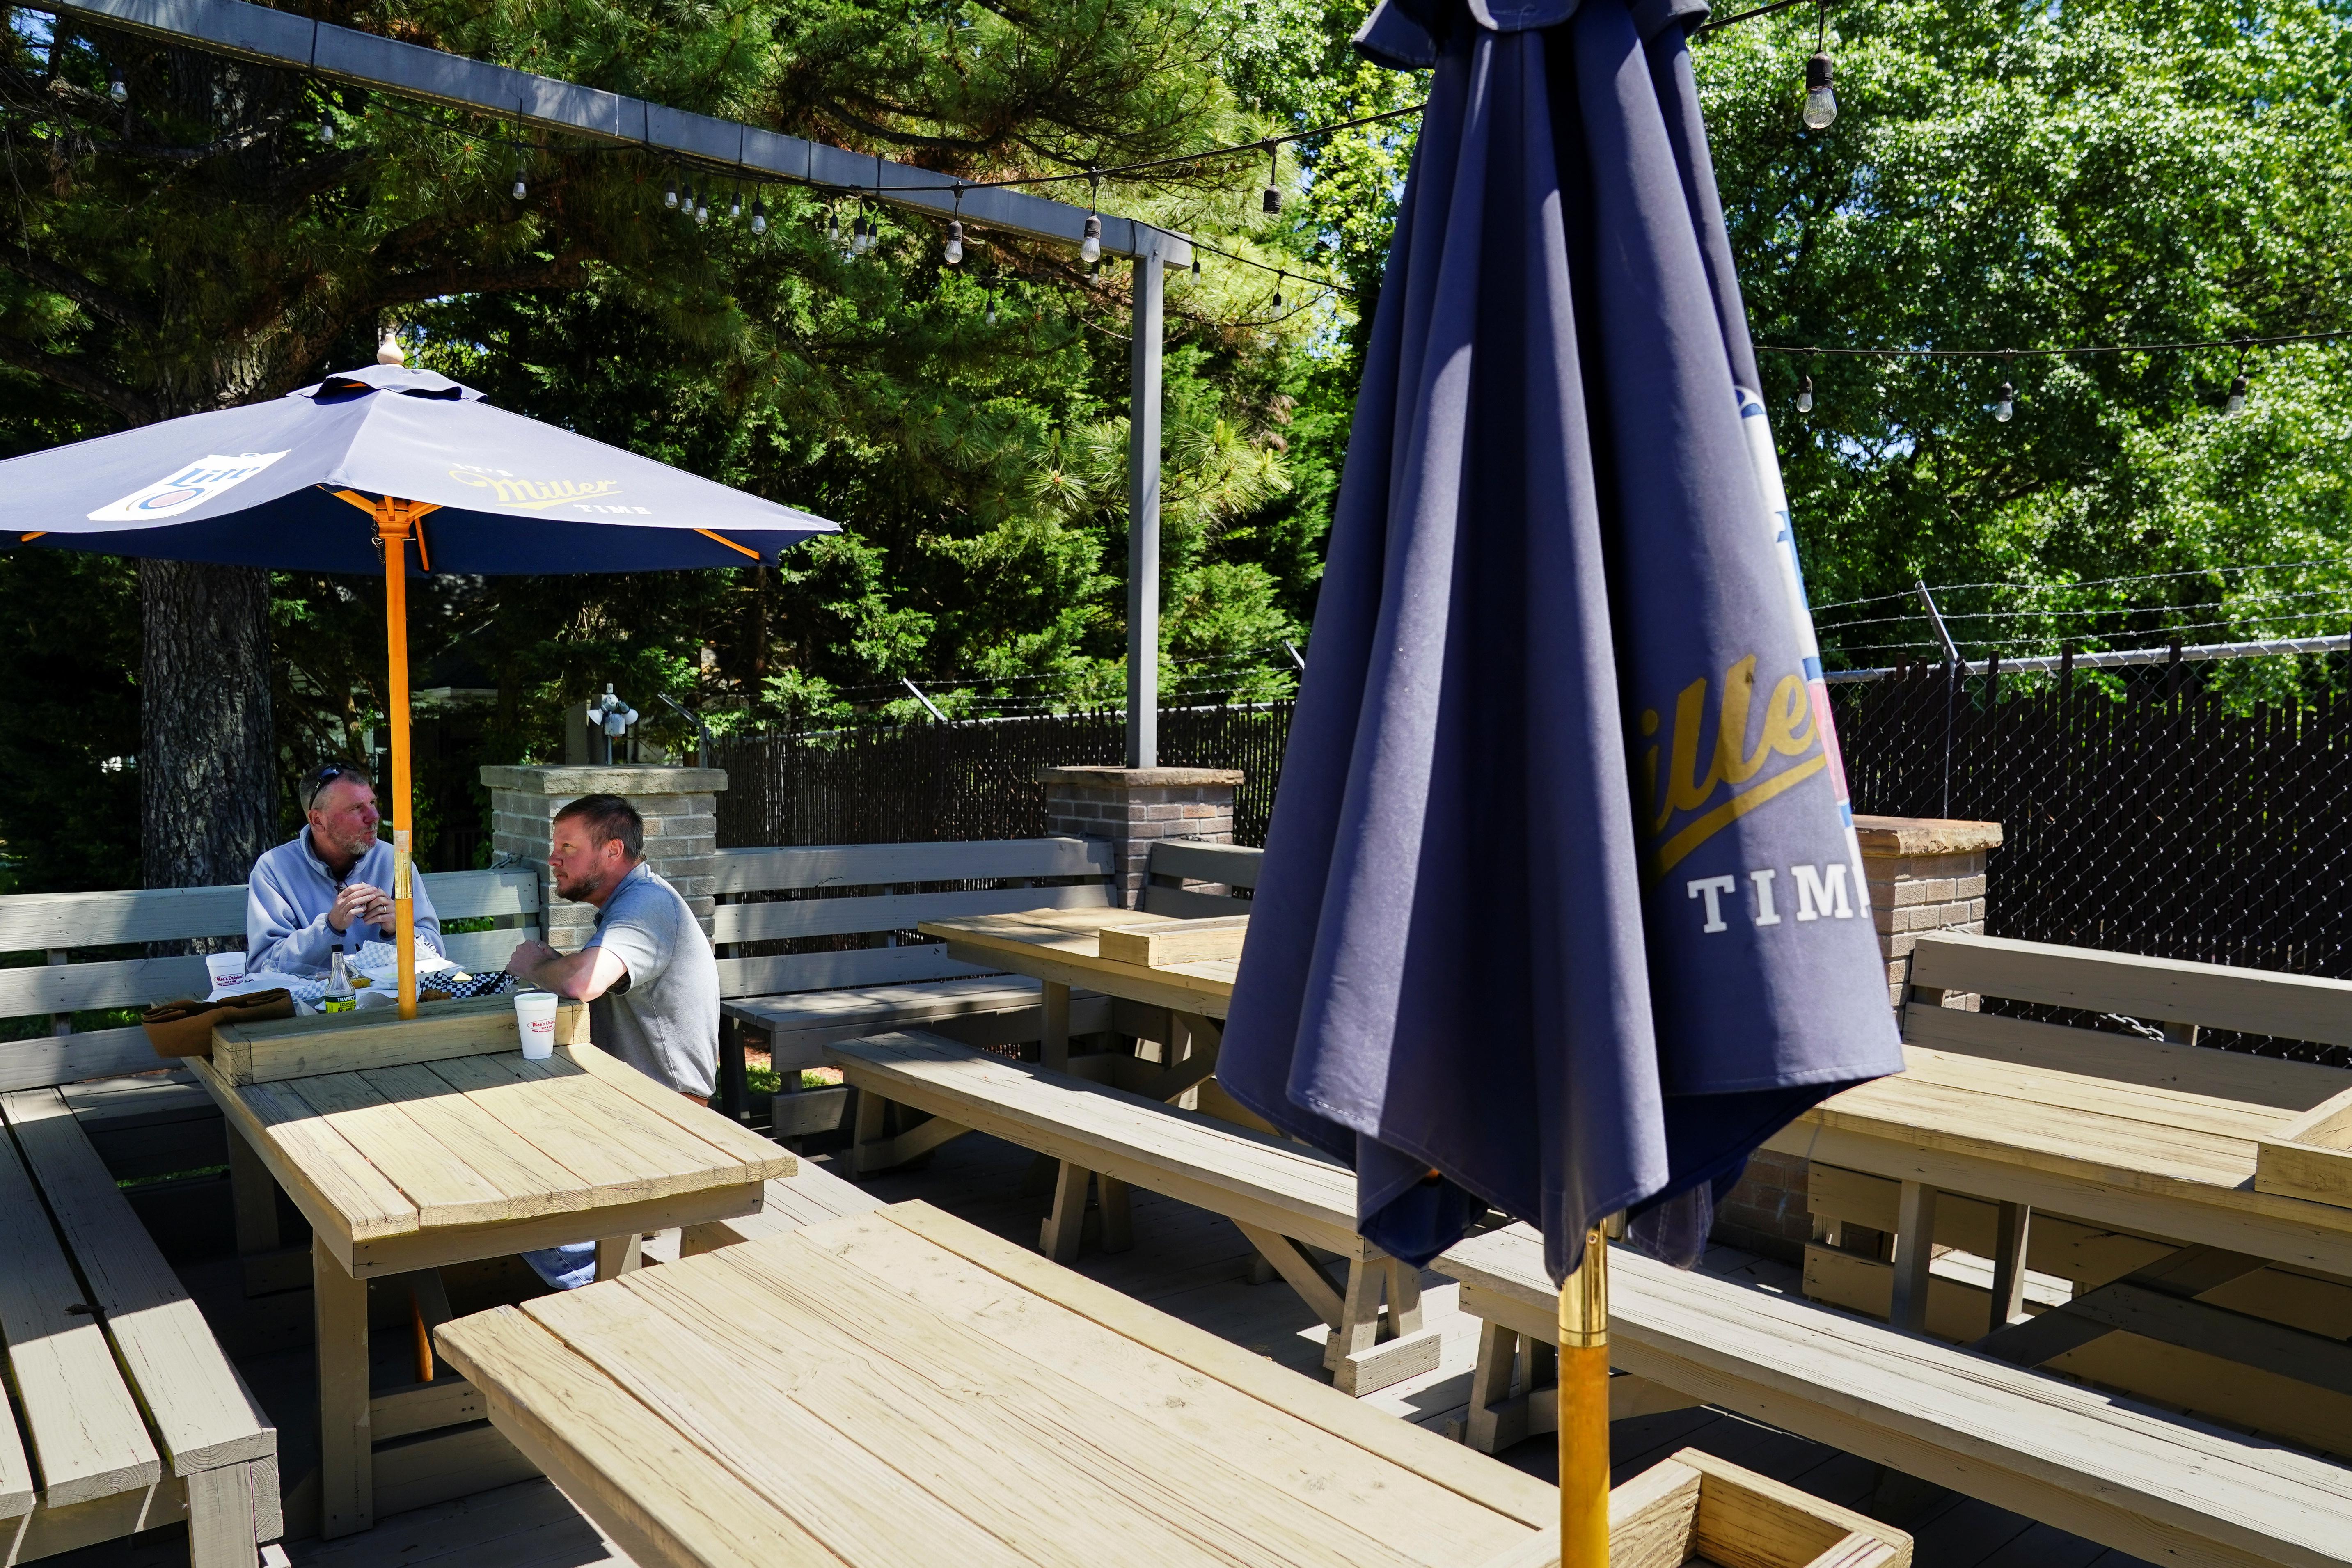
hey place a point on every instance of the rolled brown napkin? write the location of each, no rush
(185, 1028)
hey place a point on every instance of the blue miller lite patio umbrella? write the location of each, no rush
(392, 470)
(1562, 910)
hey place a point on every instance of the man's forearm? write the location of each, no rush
(571, 975)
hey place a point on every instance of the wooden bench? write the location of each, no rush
(135, 1416)
(864, 900)
(2124, 1475)
(1285, 1197)
(2247, 1340)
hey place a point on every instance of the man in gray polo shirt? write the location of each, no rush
(648, 976)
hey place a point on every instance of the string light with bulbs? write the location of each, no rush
(2004, 403)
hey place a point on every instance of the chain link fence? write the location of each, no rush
(2190, 808)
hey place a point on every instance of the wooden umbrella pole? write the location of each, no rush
(1584, 1409)
(392, 518)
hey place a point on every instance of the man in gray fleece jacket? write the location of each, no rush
(330, 886)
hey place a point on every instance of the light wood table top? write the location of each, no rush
(2169, 1161)
(1059, 946)
(415, 1165)
(899, 1387)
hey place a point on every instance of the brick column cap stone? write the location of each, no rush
(1139, 778)
(1925, 836)
(606, 780)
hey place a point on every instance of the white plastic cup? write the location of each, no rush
(227, 970)
(535, 1022)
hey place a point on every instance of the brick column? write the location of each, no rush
(1925, 874)
(680, 807)
(1134, 807)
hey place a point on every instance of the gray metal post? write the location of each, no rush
(1143, 511)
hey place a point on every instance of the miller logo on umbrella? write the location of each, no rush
(531, 495)
(189, 486)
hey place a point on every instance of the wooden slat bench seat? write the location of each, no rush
(2132, 1477)
(1284, 1197)
(860, 900)
(134, 1416)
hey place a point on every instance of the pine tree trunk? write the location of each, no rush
(207, 792)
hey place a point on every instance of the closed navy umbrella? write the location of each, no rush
(1562, 911)
(342, 477)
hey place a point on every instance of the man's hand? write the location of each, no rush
(529, 956)
(360, 901)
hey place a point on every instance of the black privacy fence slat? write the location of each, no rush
(2182, 810)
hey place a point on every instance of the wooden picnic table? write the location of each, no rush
(2175, 1163)
(1061, 949)
(899, 1387)
(402, 1166)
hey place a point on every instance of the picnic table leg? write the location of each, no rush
(1370, 1350)
(224, 1517)
(2009, 1265)
(1490, 1390)
(253, 1198)
(346, 1461)
(1058, 1238)
(1117, 1228)
(1914, 1250)
(618, 1255)
(1054, 1014)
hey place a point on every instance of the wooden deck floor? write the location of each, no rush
(1193, 1266)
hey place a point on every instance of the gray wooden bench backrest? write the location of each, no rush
(1175, 862)
(60, 924)
(1036, 873)
(2215, 995)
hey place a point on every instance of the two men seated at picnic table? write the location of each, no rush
(648, 974)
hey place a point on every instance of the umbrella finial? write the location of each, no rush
(387, 347)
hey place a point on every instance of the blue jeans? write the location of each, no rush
(566, 1268)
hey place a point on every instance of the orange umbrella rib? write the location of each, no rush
(729, 544)
(29, 538)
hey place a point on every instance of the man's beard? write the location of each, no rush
(577, 891)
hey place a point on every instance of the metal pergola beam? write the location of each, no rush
(280, 38)
(411, 70)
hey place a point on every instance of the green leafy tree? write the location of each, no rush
(2025, 176)
(227, 231)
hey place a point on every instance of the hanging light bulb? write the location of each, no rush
(114, 88)
(955, 241)
(702, 212)
(1196, 264)
(861, 235)
(669, 197)
(1820, 103)
(1279, 279)
(735, 205)
(1090, 248)
(992, 307)
(2237, 404)
(2005, 408)
(1805, 397)
(1272, 200)
(758, 215)
(521, 186)
(326, 133)
(832, 226)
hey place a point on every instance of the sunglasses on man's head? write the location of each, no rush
(320, 780)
